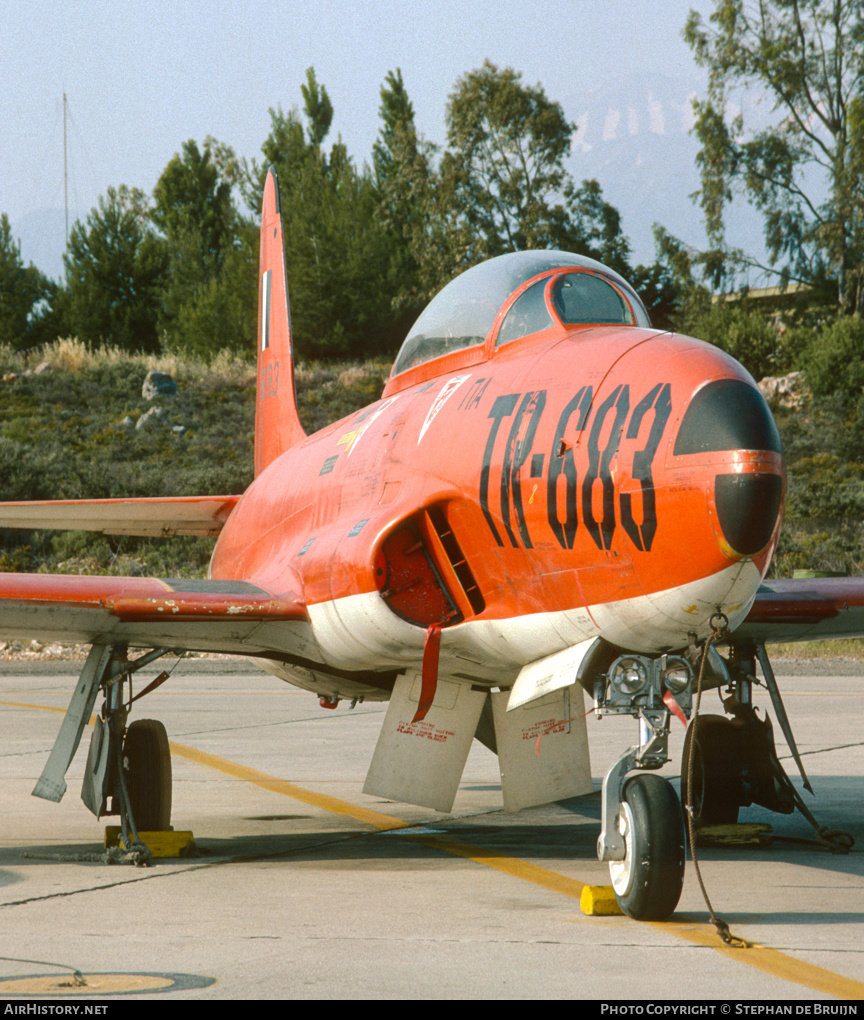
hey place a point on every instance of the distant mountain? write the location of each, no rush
(638, 145)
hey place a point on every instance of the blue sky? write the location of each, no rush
(141, 78)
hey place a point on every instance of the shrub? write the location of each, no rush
(834, 358)
(749, 334)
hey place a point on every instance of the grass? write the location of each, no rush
(67, 431)
(838, 648)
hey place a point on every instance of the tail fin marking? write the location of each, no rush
(266, 280)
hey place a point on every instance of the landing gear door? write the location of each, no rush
(542, 748)
(421, 763)
(98, 785)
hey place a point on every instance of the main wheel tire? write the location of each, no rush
(147, 764)
(714, 786)
(649, 880)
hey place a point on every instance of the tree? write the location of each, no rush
(508, 143)
(191, 194)
(679, 271)
(25, 294)
(336, 246)
(592, 227)
(285, 146)
(803, 172)
(429, 238)
(659, 290)
(319, 109)
(221, 312)
(403, 174)
(678, 299)
(834, 364)
(115, 266)
(398, 130)
(504, 182)
(500, 186)
(207, 252)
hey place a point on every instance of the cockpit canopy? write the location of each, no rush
(464, 312)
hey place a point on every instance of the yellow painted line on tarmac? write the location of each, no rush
(482, 855)
(770, 961)
(763, 958)
(45, 708)
(322, 800)
(514, 866)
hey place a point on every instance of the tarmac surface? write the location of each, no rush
(307, 888)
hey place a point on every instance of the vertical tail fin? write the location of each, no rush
(277, 425)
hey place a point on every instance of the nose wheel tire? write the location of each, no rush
(649, 880)
(147, 761)
(714, 782)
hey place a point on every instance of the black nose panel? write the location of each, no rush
(728, 415)
(747, 507)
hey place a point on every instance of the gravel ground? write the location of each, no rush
(39, 657)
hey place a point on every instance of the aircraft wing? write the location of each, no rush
(201, 615)
(160, 517)
(806, 610)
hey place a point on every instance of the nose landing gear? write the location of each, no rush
(649, 879)
(642, 830)
(727, 763)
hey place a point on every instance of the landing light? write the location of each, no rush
(635, 682)
(676, 676)
(629, 676)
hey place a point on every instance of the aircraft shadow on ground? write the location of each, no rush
(9, 878)
(559, 841)
(566, 832)
(397, 851)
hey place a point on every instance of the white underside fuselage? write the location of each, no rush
(360, 633)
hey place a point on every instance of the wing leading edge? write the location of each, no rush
(806, 610)
(209, 615)
(156, 517)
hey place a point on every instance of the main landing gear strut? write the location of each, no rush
(728, 762)
(732, 762)
(128, 769)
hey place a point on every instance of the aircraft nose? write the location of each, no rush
(748, 508)
(729, 422)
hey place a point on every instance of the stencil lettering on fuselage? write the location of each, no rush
(515, 454)
(595, 503)
(474, 395)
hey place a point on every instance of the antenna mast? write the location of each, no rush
(65, 173)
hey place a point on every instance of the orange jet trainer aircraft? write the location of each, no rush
(550, 497)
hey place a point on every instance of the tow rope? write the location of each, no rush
(723, 930)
